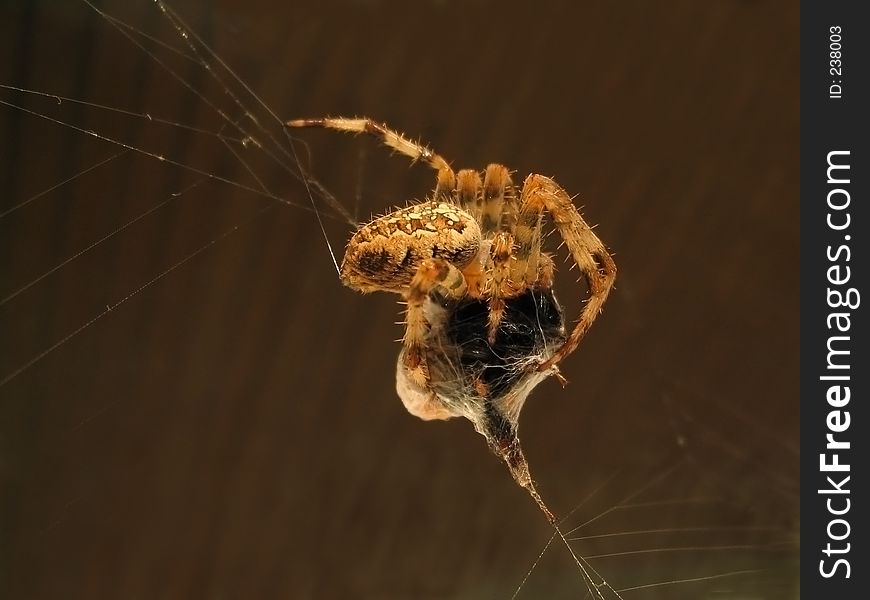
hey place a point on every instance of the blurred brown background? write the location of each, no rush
(232, 431)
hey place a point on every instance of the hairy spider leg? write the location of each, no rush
(500, 210)
(469, 198)
(498, 284)
(395, 140)
(587, 251)
(499, 200)
(468, 192)
(528, 260)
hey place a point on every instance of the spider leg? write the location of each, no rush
(546, 273)
(499, 200)
(586, 249)
(499, 284)
(393, 139)
(432, 274)
(499, 216)
(527, 234)
(468, 196)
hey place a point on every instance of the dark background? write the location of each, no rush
(231, 430)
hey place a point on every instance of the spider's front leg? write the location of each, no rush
(395, 140)
(586, 249)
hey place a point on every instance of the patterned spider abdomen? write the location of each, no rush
(385, 254)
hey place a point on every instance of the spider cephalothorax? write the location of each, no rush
(483, 326)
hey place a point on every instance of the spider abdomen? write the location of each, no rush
(385, 254)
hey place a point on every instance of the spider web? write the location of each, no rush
(257, 156)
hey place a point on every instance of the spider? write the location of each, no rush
(483, 326)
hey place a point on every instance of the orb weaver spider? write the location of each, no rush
(483, 326)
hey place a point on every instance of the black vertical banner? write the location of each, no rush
(835, 145)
